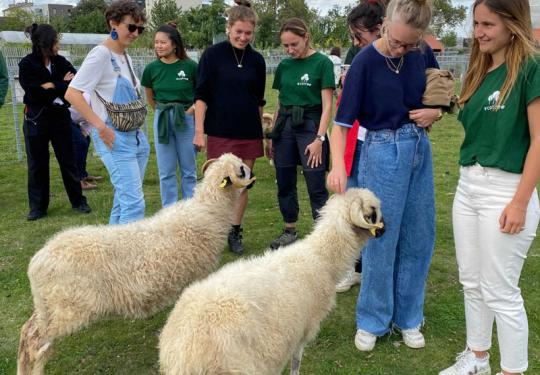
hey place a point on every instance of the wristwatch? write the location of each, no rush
(321, 138)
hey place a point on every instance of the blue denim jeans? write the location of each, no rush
(397, 166)
(126, 163)
(179, 151)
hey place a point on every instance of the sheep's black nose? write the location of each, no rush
(251, 175)
(380, 231)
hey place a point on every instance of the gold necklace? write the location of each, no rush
(239, 63)
(393, 67)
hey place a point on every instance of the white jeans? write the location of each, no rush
(490, 262)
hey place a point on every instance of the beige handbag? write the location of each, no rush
(440, 89)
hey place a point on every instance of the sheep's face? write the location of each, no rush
(229, 170)
(365, 211)
(267, 121)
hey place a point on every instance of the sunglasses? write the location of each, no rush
(132, 27)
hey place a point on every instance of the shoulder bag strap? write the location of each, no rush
(132, 75)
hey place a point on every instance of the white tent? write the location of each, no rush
(65, 38)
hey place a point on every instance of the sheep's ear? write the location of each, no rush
(358, 219)
(206, 165)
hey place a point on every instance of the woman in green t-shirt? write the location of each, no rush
(169, 82)
(305, 82)
(496, 209)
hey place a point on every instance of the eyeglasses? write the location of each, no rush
(132, 27)
(394, 44)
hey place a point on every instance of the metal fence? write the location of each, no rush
(11, 137)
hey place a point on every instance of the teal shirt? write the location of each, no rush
(171, 82)
(499, 137)
(300, 81)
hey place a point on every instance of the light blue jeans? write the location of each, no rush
(126, 163)
(397, 166)
(179, 151)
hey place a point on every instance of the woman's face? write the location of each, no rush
(363, 37)
(163, 45)
(489, 30)
(295, 45)
(241, 33)
(401, 38)
(56, 47)
(128, 30)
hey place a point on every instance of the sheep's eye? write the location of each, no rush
(242, 172)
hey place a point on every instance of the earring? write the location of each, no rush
(114, 34)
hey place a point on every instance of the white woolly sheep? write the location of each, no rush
(86, 273)
(252, 315)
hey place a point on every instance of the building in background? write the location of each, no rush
(12, 8)
(51, 11)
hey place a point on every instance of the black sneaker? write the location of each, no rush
(34, 215)
(286, 238)
(83, 208)
(235, 241)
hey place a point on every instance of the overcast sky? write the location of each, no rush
(324, 5)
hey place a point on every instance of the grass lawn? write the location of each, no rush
(119, 346)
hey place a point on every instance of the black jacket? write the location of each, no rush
(33, 73)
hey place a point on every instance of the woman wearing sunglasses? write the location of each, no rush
(395, 163)
(107, 75)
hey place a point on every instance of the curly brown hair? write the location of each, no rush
(121, 8)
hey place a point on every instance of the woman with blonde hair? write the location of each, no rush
(229, 98)
(496, 210)
(395, 162)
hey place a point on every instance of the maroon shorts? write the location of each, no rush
(243, 148)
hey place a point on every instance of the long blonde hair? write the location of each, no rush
(516, 17)
(413, 13)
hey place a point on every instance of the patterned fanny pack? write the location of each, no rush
(126, 117)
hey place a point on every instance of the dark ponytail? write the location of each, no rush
(43, 38)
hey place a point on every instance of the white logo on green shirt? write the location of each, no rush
(492, 100)
(182, 76)
(304, 80)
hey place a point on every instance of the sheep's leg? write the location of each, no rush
(296, 359)
(33, 350)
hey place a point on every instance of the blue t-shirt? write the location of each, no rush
(378, 97)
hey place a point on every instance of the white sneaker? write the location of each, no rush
(413, 338)
(468, 364)
(364, 341)
(350, 279)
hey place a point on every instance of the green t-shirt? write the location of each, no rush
(499, 138)
(300, 81)
(171, 82)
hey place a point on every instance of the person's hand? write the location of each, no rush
(199, 142)
(69, 76)
(106, 134)
(512, 219)
(337, 180)
(424, 117)
(48, 85)
(269, 149)
(314, 152)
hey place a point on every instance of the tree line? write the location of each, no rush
(201, 26)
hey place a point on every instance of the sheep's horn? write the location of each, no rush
(206, 165)
(357, 218)
(241, 182)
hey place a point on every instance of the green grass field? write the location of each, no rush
(119, 346)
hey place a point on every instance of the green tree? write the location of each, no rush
(18, 20)
(446, 17)
(199, 26)
(163, 11)
(331, 30)
(449, 39)
(88, 17)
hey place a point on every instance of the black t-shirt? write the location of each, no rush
(232, 94)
